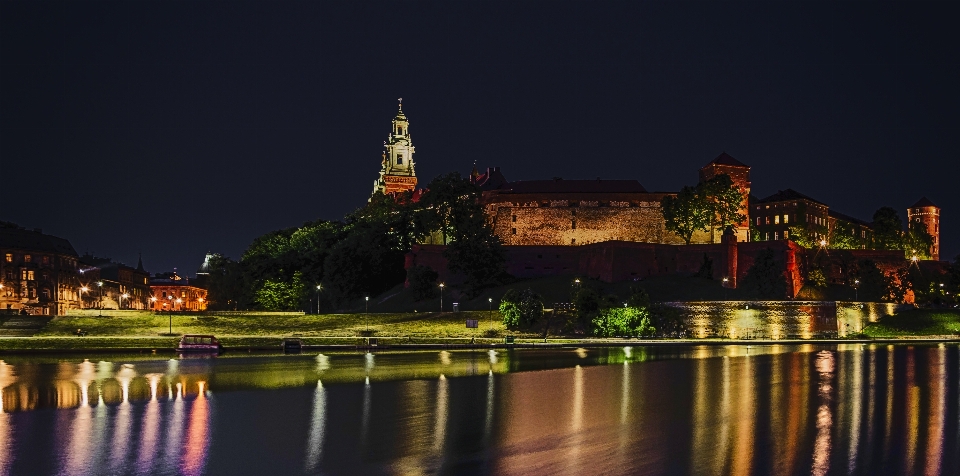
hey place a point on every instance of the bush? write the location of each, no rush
(521, 309)
(623, 322)
(423, 282)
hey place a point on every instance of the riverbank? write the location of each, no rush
(160, 345)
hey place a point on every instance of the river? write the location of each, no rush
(738, 409)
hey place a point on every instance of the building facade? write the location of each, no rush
(397, 174)
(773, 216)
(172, 292)
(580, 212)
(113, 285)
(926, 215)
(39, 274)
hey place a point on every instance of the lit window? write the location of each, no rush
(776, 219)
(27, 258)
(786, 234)
(758, 221)
(46, 260)
(766, 236)
(766, 220)
(786, 218)
(30, 276)
(776, 235)
(9, 257)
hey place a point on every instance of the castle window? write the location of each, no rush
(514, 218)
(786, 218)
(776, 235)
(767, 220)
(776, 219)
(573, 224)
(9, 257)
(786, 234)
(399, 159)
(758, 221)
(766, 236)
(46, 260)
(27, 258)
(513, 230)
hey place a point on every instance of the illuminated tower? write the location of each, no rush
(927, 215)
(740, 175)
(396, 172)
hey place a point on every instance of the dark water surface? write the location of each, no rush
(839, 409)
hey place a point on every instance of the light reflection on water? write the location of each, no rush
(840, 409)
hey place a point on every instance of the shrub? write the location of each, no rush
(623, 322)
(520, 309)
(423, 282)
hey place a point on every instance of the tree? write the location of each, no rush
(918, 242)
(368, 260)
(623, 322)
(276, 295)
(724, 200)
(521, 309)
(887, 229)
(423, 282)
(452, 206)
(686, 213)
(874, 285)
(765, 279)
(227, 288)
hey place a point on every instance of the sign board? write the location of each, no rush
(472, 323)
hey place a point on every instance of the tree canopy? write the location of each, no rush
(715, 202)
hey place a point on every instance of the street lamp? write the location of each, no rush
(82, 290)
(490, 310)
(441, 297)
(122, 297)
(366, 312)
(178, 301)
(319, 288)
(199, 303)
(725, 281)
(153, 301)
(100, 305)
(856, 289)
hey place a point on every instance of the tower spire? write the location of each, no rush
(397, 171)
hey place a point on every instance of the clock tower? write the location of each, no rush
(396, 172)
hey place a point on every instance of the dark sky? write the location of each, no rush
(174, 128)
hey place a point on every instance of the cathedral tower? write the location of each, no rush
(926, 216)
(396, 172)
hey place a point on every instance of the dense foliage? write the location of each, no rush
(363, 255)
(715, 202)
(521, 309)
(766, 279)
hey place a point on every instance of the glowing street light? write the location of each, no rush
(100, 305)
(856, 289)
(82, 290)
(366, 312)
(153, 301)
(122, 297)
(490, 310)
(441, 297)
(178, 301)
(725, 281)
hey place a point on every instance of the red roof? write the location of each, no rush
(726, 159)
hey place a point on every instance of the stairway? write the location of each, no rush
(22, 326)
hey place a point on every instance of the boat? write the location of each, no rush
(199, 343)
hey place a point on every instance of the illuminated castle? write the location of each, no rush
(396, 171)
(926, 216)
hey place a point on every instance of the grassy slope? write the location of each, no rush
(917, 322)
(415, 325)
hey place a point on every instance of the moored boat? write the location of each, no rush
(199, 343)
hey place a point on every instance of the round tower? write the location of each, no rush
(926, 214)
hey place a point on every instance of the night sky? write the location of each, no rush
(174, 128)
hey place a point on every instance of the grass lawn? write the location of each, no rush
(917, 322)
(406, 325)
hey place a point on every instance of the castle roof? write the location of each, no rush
(788, 194)
(574, 186)
(726, 159)
(491, 180)
(14, 237)
(924, 202)
(847, 218)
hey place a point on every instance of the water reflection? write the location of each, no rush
(841, 409)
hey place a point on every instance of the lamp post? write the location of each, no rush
(179, 301)
(319, 288)
(153, 301)
(200, 304)
(725, 281)
(856, 289)
(83, 289)
(441, 297)
(366, 312)
(122, 297)
(100, 305)
(490, 311)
